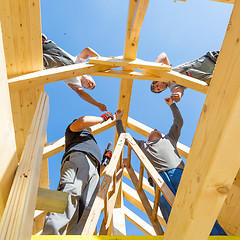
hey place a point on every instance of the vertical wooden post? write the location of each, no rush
(8, 157)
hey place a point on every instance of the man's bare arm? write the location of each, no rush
(85, 96)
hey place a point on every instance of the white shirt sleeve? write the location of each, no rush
(75, 80)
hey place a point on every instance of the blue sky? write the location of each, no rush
(184, 30)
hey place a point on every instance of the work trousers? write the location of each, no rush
(172, 178)
(79, 178)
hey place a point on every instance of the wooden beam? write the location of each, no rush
(21, 26)
(225, 1)
(17, 220)
(118, 221)
(131, 195)
(128, 75)
(54, 74)
(8, 157)
(59, 145)
(108, 210)
(145, 130)
(39, 219)
(154, 72)
(138, 222)
(51, 201)
(214, 157)
(179, 78)
(137, 20)
(122, 62)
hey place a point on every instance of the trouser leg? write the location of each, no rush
(73, 183)
(86, 200)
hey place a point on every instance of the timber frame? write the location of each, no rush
(208, 189)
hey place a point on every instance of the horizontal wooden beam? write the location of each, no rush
(179, 78)
(224, 1)
(145, 130)
(54, 74)
(51, 201)
(59, 145)
(138, 222)
(127, 75)
(120, 62)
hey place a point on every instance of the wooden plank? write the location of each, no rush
(224, 1)
(207, 177)
(109, 206)
(148, 209)
(8, 159)
(138, 222)
(17, 219)
(179, 78)
(127, 74)
(137, 20)
(151, 170)
(140, 177)
(156, 203)
(51, 201)
(131, 195)
(91, 222)
(59, 145)
(118, 221)
(145, 130)
(123, 62)
(38, 222)
(53, 75)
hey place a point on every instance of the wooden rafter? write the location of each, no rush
(214, 157)
(161, 72)
(137, 20)
(54, 74)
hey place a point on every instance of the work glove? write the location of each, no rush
(106, 116)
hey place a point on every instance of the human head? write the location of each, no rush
(88, 82)
(154, 135)
(158, 87)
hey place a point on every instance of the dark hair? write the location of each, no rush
(152, 87)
